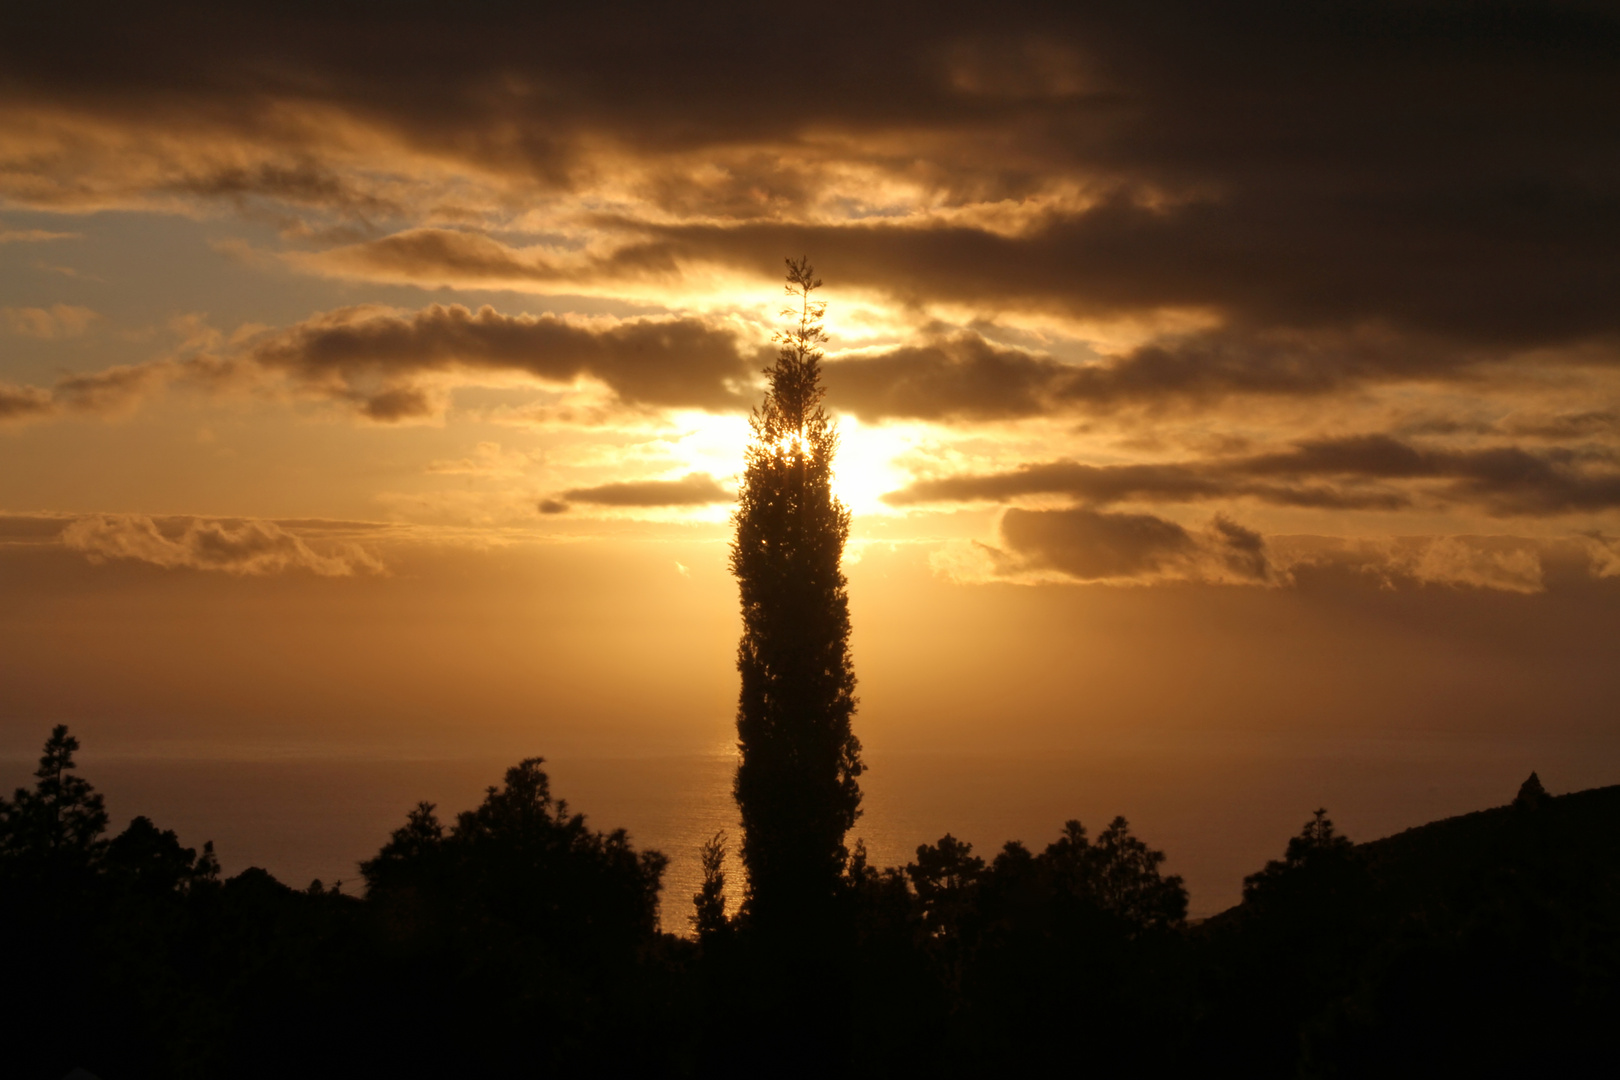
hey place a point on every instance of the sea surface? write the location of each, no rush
(1218, 808)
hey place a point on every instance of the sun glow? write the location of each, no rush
(864, 467)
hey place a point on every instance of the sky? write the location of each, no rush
(374, 379)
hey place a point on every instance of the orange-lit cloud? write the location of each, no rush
(234, 547)
(56, 321)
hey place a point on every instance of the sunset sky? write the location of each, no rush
(375, 378)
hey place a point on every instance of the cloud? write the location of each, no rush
(1080, 546)
(960, 377)
(1569, 425)
(253, 547)
(1291, 265)
(1242, 550)
(1089, 545)
(1498, 563)
(24, 402)
(300, 183)
(1165, 482)
(965, 376)
(487, 459)
(57, 321)
(434, 256)
(1035, 157)
(33, 236)
(1503, 479)
(1258, 345)
(693, 489)
(371, 356)
(110, 392)
(392, 366)
(1326, 224)
(1368, 472)
(113, 390)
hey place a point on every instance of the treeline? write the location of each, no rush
(515, 940)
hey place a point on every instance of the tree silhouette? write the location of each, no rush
(522, 860)
(1317, 857)
(57, 827)
(1118, 874)
(945, 876)
(709, 903)
(151, 860)
(796, 783)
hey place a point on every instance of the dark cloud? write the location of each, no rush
(1564, 425)
(383, 362)
(693, 489)
(1359, 472)
(1082, 545)
(1243, 550)
(371, 356)
(1272, 259)
(1445, 170)
(1504, 479)
(1088, 545)
(1168, 482)
(966, 376)
(463, 257)
(303, 183)
(1497, 563)
(99, 393)
(404, 403)
(442, 256)
(24, 402)
(109, 390)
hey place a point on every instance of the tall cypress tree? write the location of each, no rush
(796, 783)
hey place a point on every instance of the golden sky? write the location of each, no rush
(370, 374)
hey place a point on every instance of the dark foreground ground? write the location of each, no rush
(513, 940)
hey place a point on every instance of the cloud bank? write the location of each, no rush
(233, 547)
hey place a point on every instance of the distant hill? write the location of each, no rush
(1481, 945)
(1564, 849)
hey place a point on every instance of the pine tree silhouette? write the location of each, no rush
(796, 785)
(57, 827)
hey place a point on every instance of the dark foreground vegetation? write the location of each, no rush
(516, 941)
